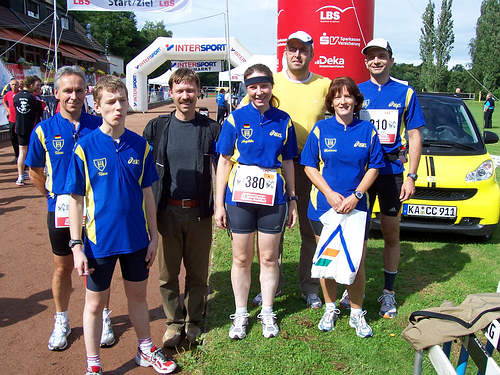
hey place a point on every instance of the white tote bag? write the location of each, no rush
(340, 247)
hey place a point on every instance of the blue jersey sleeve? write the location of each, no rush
(227, 137)
(376, 154)
(36, 151)
(290, 149)
(413, 113)
(150, 175)
(75, 178)
(310, 153)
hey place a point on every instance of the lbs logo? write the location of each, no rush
(331, 13)
(81, 2)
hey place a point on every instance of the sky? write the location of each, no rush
(253, 23)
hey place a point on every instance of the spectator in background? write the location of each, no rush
(221, 106)
(8, 102)
(489, 107)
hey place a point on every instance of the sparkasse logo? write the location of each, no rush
(331, 13)
(330, 62)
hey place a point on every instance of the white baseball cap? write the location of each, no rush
(302, 36)
(380, 43)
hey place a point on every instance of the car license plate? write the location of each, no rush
(427, 210)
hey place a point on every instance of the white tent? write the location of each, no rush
(163, 79)
(237, 73)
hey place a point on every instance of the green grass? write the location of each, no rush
(476, 109)
(433, 269)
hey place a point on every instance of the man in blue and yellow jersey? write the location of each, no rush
(301, 94)
(392, 106)
(184, 149)
(49, 154)
(112, 170)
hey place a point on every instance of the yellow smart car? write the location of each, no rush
(456, 189)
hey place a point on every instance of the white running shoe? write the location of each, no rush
(312, 300)
(269, 326)
(26, 175)
(155, 358)
(94, 370)
(20, 181)
(238, 329)
(58, 338)
(388, 308)
(107, 335)
(359, 323)
(327, 322)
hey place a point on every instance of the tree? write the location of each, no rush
(427, 47)
(444, 43)
(151, 30)
(485, 47)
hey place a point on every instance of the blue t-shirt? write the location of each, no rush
(342, 154)
(220, 100)
(51, 146)
(264, 140)
(111, 176)
(401, 97)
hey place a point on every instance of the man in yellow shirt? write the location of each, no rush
(301, 94)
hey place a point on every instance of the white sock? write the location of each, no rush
(106, 312)
(266, 309)
(63, 315)
(330, 306)
(145, 345)
(356, 312)
(93, 360)
(241, 310)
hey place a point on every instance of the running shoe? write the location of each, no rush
(312, 300)
(358, 322)
(327, 322)
(156, 358)
(269, 326)
(345, 302)
(94, 370)
(238, 329)
(107, 336)
(257, 301)
(26, 175)
(20, 181)
(388, 308)
(58, 338)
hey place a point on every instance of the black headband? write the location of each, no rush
(258, 79)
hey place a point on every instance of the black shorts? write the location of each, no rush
(59, 237)
(388, 188)
(133, 265)
(317, 227)
(247, 218)
(23, 140)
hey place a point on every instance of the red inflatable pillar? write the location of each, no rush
(339, 28)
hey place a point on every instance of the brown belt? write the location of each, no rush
(184, 203)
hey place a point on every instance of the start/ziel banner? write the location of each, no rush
(129, 5)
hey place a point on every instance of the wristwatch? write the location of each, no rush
(413, 176)
(72, 243)
(358, 194)
(293, 198)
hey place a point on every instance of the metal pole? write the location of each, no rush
(55, 35)
(228, 56)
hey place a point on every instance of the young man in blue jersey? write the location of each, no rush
(49, 154)
(392, 106)
(112, 170)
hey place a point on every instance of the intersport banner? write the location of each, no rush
(129, 5)
(199, 66)
(339, 28)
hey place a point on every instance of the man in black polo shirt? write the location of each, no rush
(183, 148)
(28, 112)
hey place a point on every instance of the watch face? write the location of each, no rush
(358, 194)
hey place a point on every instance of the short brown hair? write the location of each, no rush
(183, 75)
(29, 81)
(110, 83)
(337, 86)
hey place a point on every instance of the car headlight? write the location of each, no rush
(483, 172)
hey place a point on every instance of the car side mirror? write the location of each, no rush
(490, 137)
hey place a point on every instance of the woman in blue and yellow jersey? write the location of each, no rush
(341, 157)
(256, 192)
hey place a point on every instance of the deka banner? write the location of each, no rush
(339, 28)
(130, 5)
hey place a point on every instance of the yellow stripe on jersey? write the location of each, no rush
(48, 164)
(236, 152)
(89, 198)
(314, 189)
(409, 94)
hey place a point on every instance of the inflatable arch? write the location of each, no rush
(163, 49)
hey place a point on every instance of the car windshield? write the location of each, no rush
(447, 122)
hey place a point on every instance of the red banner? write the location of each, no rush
(339, 28)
